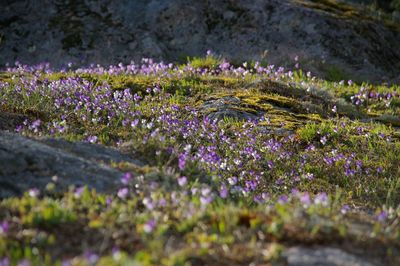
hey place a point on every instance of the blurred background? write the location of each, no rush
(347, 39)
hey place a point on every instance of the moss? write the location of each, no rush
(6, 77)
(279, 121)
(309, 117)
(55, 76)
(244, 109)
(281, 88)
(227, 225)
(346, 11)
(274, 99)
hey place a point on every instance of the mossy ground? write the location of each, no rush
(332, 179)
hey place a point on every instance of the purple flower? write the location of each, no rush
(36, 124)
(126, 178)
(258, 199)
(223, 192)
(5, 262)
(182, 181)
(78, 192)
(134, 123)
(224, 66)
(91, 257)
(92, 139)
(66, 263)
(148, 203)
(205, 191)
(265, 196)
(321, 198)
(194, 191)
(305, 199)
(18, 129)
(34, 192)
(182, 161)
(309, 176)
(349, 172)
(379, 170)
(345, 209)
(108, 201)
(283, 199)
(123, 193)
(162, 203)
(205, 200)
(116, 253)
(149, 226)
(24, 263)
(323, 140)
(232, 180)
(251, 185)
(4, 226)
(382, 216)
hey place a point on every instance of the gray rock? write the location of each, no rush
(228, 106)
(324, 256)
(9, 121)
(118, 31)
(27, 163)
(396, 16)
(151, 48)
(93, 152)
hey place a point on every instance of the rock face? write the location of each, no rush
(327, 40)
(229, 106)
(27, 163)
(327, 256)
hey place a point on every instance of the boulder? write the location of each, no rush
(327, 256)
(227, 107)
(329, 40)
(27, 163)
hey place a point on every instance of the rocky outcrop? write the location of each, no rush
(230, 107)
(305, 256)
(28, 163)
(329, 40)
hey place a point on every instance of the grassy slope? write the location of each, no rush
(320, 168)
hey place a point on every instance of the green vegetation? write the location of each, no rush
(317, 164)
